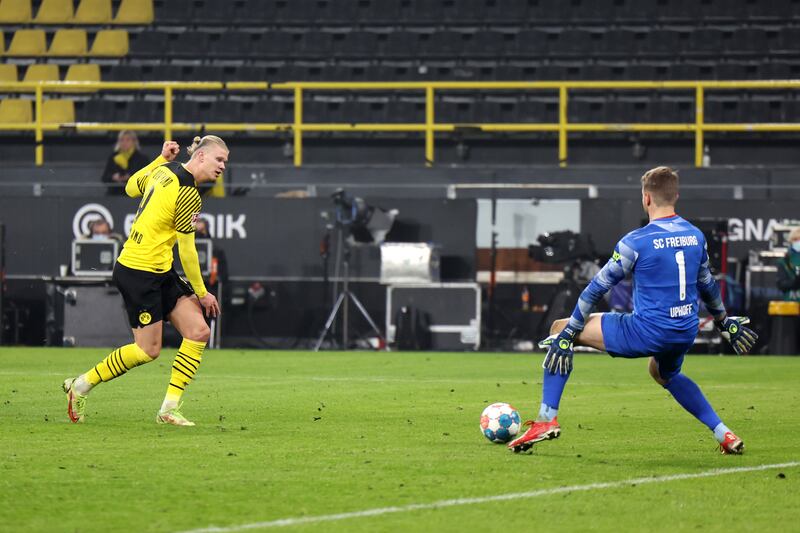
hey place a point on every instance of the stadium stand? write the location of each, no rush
(412, 40)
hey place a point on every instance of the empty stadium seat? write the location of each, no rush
(277, 44)
(27, 43)
(93, 12)
(174, 11)
(68, 43)
(95, 110)
(190, 44)
(490, 43)
(16, 110)
(15, 11)
(2, 43)
(401, 43)
(42, 72)
(148, 44)
(58, 111)
(8, 72)
(231, 44)
(110, 43)
(83, 72)
(135, 12)
(533, 43)
(361, 44)
(54, 12)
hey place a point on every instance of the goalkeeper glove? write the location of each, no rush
(734, 331)
(559, 352)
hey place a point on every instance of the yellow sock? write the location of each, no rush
(117, 363)
(185, 366)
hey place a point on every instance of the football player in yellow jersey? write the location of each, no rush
(152, 291)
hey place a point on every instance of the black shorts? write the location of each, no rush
(149, 297)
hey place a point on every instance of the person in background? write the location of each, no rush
(789, 269)
(100, 230)
(126, 160)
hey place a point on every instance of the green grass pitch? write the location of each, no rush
(285, 435)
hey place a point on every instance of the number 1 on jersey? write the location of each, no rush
(679, 258)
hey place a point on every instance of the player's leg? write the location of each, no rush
(546, 427)
(143, 306)
(553, 384)
(666, 371)
(187, 317)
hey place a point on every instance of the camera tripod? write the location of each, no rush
(343, 300)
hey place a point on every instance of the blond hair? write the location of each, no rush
(122, 134)
(199, 142)
(662, 184)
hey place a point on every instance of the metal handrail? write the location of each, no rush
(430, 127)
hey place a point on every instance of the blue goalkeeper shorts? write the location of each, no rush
(626, 335)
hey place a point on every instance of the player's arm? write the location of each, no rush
(137, 183)
(618, 267)
(732, 328)
(559, 353)
(191, 268)
(187, 250)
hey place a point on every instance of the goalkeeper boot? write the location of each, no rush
(173, 416)
(76, 403)
(731, 445)
(537, 432)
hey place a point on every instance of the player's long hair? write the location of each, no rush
(199, 143)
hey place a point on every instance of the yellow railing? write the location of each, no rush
(430, 127)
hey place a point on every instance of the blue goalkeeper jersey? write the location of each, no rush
(669, 264)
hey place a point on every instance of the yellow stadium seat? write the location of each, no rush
(15, 11)
(54, 12)
(135, 12)
(2, 43)
(110, 43)
(68, 43)
(27, 43)
(42, 72)
(58, 111)
(93, 12)
(83, 72)
(8, 72)
(15, 110)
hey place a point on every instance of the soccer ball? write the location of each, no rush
(500, 422)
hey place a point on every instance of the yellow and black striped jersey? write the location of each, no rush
(170, 204)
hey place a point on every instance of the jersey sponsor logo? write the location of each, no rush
(615, 256)
(145, 318)
(678, 241)
(85, 215)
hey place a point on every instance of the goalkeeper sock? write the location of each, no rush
(185, 366)
(546, 413)
(552, 389)
(113, 366)
(719, 432)
(691, 398)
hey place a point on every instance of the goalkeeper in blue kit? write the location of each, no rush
(669, 264)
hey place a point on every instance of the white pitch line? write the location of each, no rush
(487, 499)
